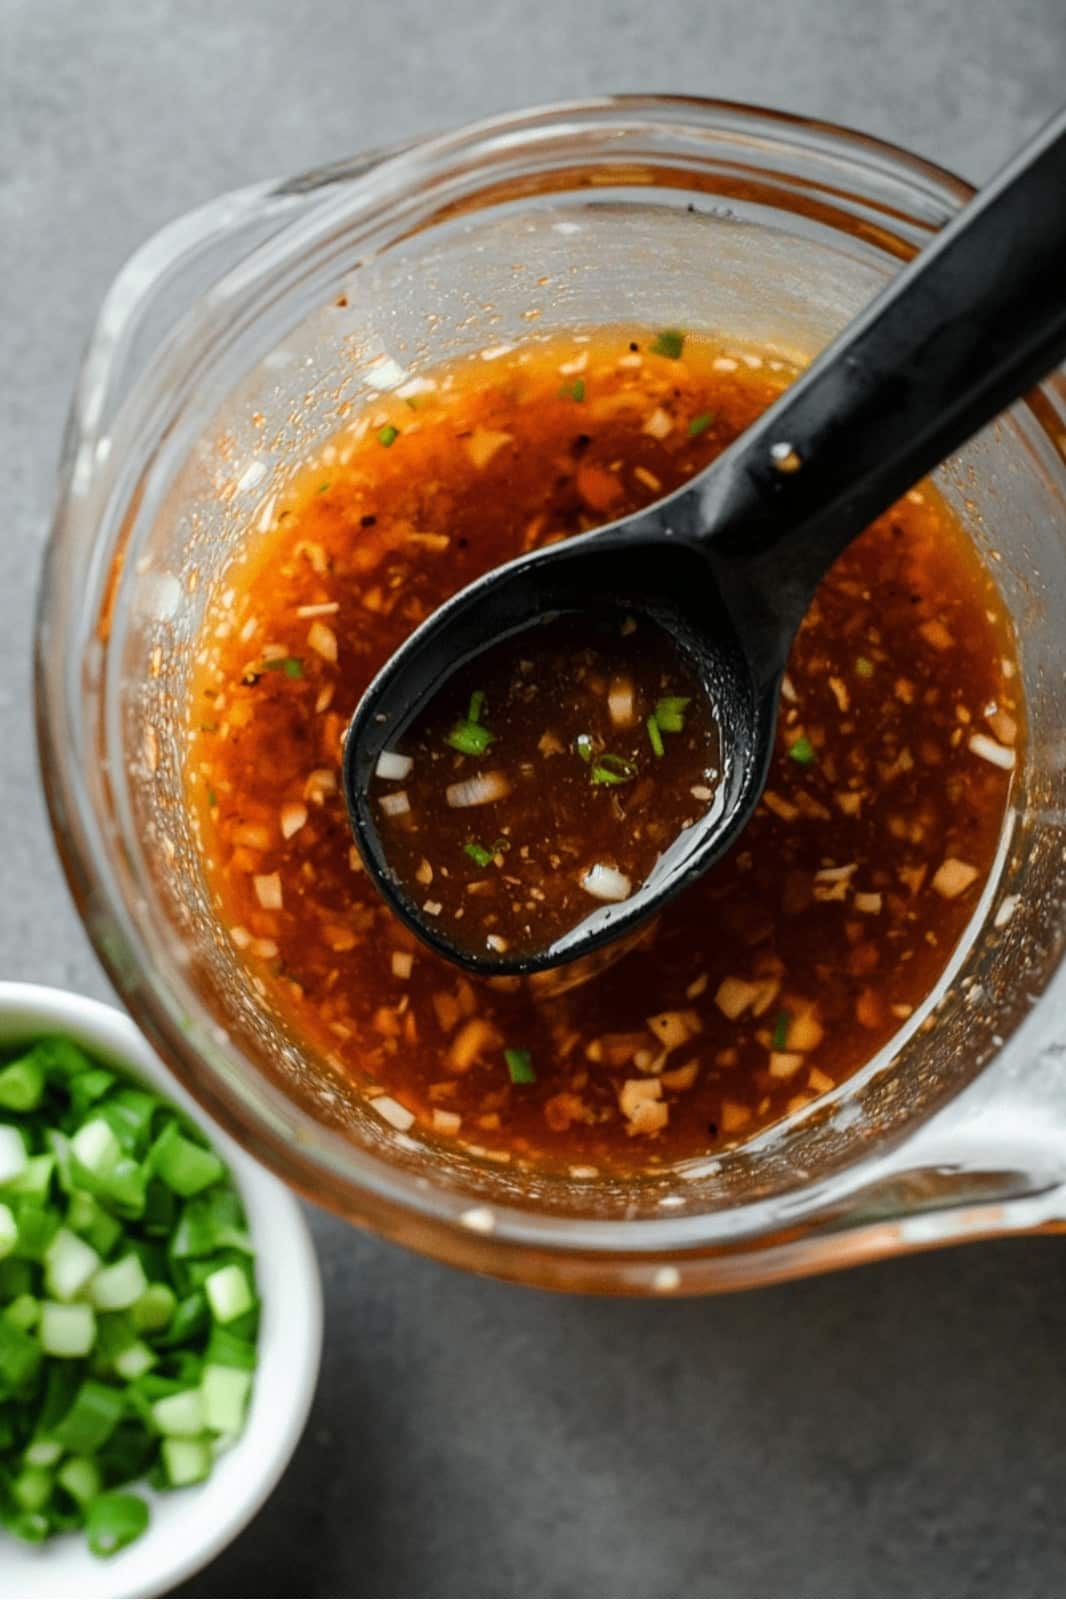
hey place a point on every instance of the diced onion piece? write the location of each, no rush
(321, 782)
(658, 424)
(868, 904)
(734, 996)
(479, 791)
(402, 963)
(483, 445)
(424, 873)
(267, 887)
(474, 1038)
(833, 883)
(953, 877)
(293, 817)
(606, 883)
(642, 1105)
(13, 1155)
(620, 702)
(734, 1116)
(392, 766)
(446, 1121)
(998, 754)
(805, 1032)
(819, 1081)
(935, 633)
(254, 835)
(780, 806)
(322, 640)
(680, 1078)
(785, 1063)
(674, 1028)
(393, 1112)
(395, 805)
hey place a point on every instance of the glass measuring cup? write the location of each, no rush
(231, 345)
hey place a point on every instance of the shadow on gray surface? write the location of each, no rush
(896, 1430)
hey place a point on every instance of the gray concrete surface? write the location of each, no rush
(897, 1431)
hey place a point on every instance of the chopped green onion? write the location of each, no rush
(228, 1293)
(669, 342)
(114, 1520)
(183, 1166)
(119, 1286)
(323, 486)
(38, 1226)
(95, 1147)
(133, 1362)
(612, 769)
(670, 712)
(573, 391)
(154, 1309)
(80, 1477)
(23, 1312)
(864, 667)
(478, 853)
(470, 738)
(69, 1263)
(291, 666)
(128, 1313)
(20, 1356)
(180, 1415)
(35, 1179)
(700, 424)
(43, 1453)
(520, 1066)
(185, 1461)
(224, 1391)
(802, 750)
(67, 1331)
(655, 736)
(225, 1349)
(779, 1039)
(96, 1412)
(22, 1085)
(477, 705)
(9, 1230)
(13, 1156)
(583, 745)
(388, 435)
(32, 1489)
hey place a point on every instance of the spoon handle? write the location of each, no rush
(964, 329)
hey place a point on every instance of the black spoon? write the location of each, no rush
(729, 564)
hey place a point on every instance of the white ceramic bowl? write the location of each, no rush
(188, 1526)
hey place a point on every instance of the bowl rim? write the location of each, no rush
(180, 1543)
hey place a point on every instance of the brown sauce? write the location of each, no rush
(546, 779)
(790, 964)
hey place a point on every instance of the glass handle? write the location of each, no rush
(163, 279)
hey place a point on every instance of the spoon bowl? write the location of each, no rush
(654, 574)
